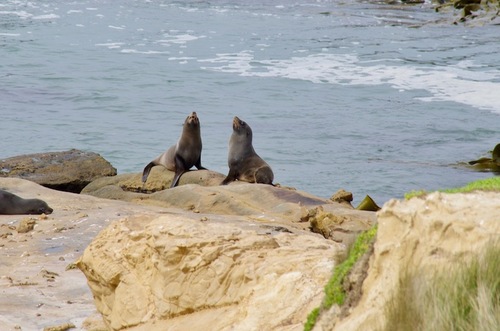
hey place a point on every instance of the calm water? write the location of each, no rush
(362, 96)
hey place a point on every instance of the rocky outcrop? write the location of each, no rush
(260, 201)
(68, 171)
(187, 272)
(426, 234)
(207, 265)
(159, 179)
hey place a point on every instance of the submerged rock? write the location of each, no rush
(68, 171)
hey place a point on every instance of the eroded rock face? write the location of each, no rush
(179, 272)
(68, 171)
(425, 234)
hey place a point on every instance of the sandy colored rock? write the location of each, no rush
(159, 179)
(26, 225)
(38, 289)
(68, 171)
(167, 272)
(425, 234)
(340, 227)
(238, 198)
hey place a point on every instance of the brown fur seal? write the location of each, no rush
(244, 163)
(11, 204)
(183, 155)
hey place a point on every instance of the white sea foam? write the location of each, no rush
(135, 51)
(455, 83)
(22, 14)
(178, 39)
(111, 45)
(46, 17)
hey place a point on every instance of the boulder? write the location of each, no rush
(190, 272)
(159, 179)
(68, 171)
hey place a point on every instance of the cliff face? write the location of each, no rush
(419, 236)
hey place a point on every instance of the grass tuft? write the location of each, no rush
(334, 291)
(488, 184)
(466, 297)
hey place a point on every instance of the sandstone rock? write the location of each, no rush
(32, 297)
(340, 227)
(159, 179)
(175, 272)
(68, 171)
(263, 201)
(424, 234)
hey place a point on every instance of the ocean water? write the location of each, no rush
(373, 98)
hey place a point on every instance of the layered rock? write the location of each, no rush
(188, 272)
(425, 234)
(68, 171)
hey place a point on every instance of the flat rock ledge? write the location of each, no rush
(68, 171)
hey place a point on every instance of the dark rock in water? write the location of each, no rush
(68, 171)
(486, 164)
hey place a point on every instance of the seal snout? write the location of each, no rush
(236, 123)
(193, 118)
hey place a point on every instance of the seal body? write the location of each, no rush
(182, 156)
(11, 204)
(244, 163)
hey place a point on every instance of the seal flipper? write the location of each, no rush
(198, 164)
(231, 177)
(180, 168)
(146, 171)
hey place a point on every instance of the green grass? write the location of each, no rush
(334, 291)
(488, 184)
(465, 297)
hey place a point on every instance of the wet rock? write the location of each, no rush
(487, 163)
(68, 171)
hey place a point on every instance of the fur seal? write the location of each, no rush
(244, 163)
(11, 204)
(183, 155)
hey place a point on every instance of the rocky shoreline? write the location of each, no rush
(244, 256)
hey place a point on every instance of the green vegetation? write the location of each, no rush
(488, 184)
(334, 291)
(467, 297)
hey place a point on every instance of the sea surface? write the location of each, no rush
(374, 98)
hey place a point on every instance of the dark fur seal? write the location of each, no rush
(244, 163)
(183, 155)
(11, 204)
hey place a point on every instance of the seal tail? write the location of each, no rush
(146, 171)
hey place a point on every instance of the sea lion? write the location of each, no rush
(11, 204)
(183, 155)
(244, 163)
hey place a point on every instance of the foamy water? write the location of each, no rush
(338, 95)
